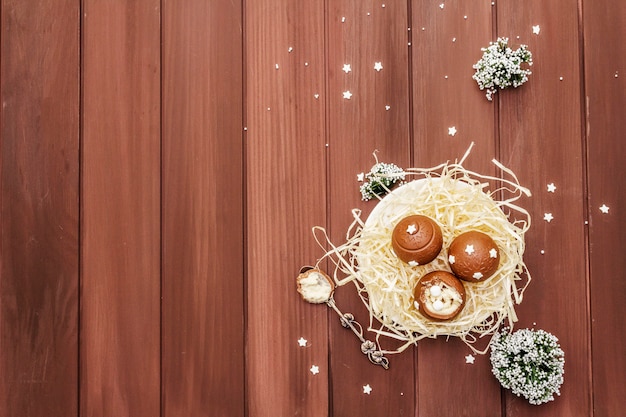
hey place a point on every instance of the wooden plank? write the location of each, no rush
(446, 43)
(361, 34)
(120, 225)
(285, 180)
(39, 208)
(203, 248)
(605, 73)
(541, 133)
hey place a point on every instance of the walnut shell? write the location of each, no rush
(417, 239)
(446, 302)
(473, 256)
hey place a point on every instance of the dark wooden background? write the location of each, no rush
(162, 164)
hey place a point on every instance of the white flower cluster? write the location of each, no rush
(501, 67)
(529, 362)
(380, 179)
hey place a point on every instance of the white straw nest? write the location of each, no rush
(455, 198)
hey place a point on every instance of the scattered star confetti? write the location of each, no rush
(452, 131)
(302, 342)
(315, 369)
(469, 249)
(347, 95)
(477, 275)
(453, 39)
(411, 229)
(346, 68)
(290, 49)
(536, 29)
(470, 359)
(604, 209)
(360, 177)
(378, 66)
(551, 187)
(493, 253)
(548, 217)
(560, 78)
(367, 389)
(451, 259)
(543, 252)
(277, 66)
(441, 6)
(316, 96)
(387, 107)
(343, 19)
(413, 263)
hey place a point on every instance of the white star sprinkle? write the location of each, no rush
(347, 95)
(536, 29)
(343, 19)
(551, 187)
(302, 342)
(367, 389)
(413, 263)
(452, 131)
(378, 66)
(276, 66)
(477, 275)
(493, 253)
(441, 6)
(315, 369)
(548, 217)
(290, 49)
(387, 107)
(451, 259)
(411, 229)
(360, 177)
(317, 96)
(470, 359)
(346, 68)
(604, 209)
(469, 249)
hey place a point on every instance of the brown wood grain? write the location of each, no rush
(39, 208)
(202, 197)
(285, 184)
(446, 43)
(605, 73)
(120, 223)
(361, 34)
(541, 140)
